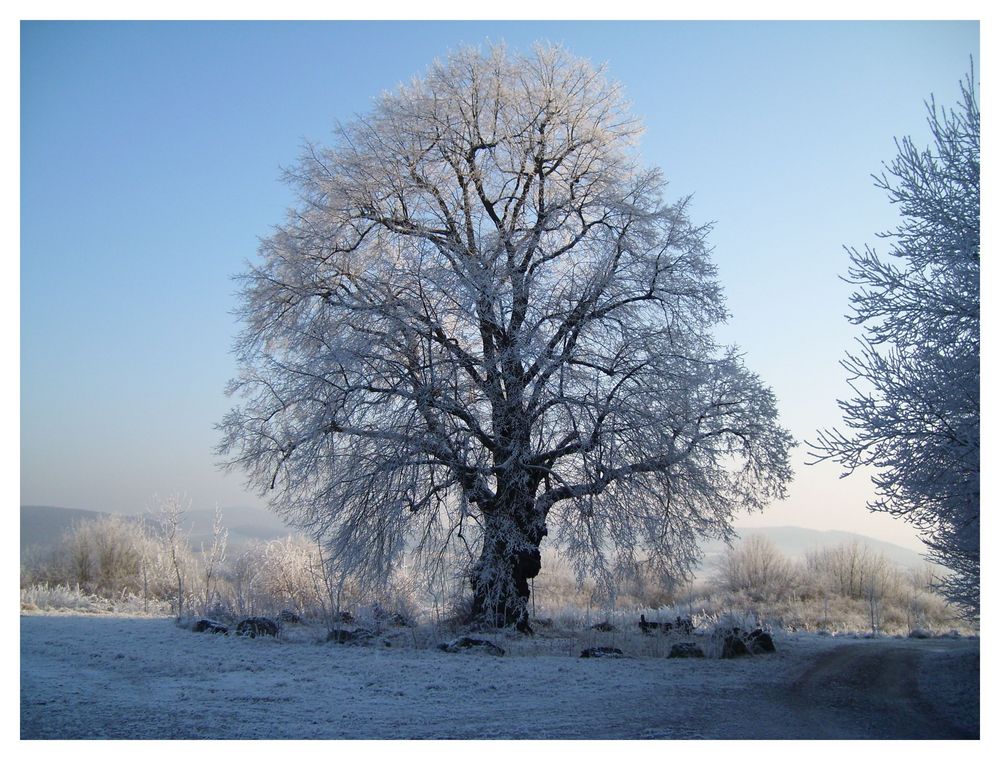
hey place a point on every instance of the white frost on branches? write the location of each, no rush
(915, 413)
(482, 322)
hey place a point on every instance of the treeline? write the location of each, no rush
(831, 585)
(149, 564)
(845, 588)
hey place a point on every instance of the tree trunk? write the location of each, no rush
(510, 558)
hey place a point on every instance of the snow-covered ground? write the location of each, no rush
(119, 677)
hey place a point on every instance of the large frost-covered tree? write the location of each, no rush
(915, 413)
(482, 324)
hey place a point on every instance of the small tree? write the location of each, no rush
(116, 542)
(213, 558)
(915, 413)
(172, 517)
(80, 553)
(483, 322)
(880, 581)
(328, 586)
(286, 577)
(105, 554)
(152, 565)
(756, 566)
(243, 574)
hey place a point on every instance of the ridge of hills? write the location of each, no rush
(42, 527)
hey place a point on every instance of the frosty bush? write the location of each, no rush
(841, 588)
(112, 557)
(758, 568)
(292, 573)
(852, 570)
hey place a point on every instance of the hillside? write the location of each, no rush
(43, 527)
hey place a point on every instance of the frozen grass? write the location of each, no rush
(559, 604)
(270, 577)
(59, 597)
(41, 597)
(557, 597)
(105, 676)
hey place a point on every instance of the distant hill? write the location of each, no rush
(43, 527)
(245, 524)
(795, 542)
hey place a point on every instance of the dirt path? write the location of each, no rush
(862, 691)
(867, 689)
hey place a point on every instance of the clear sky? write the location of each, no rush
(150, 163)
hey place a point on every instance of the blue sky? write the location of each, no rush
(150, 164)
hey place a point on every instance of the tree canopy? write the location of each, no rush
(482, 325)
(915, 412)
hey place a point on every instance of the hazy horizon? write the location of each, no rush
(911, 542)
(235, 518)
(165, 142)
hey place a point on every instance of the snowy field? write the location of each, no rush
(118, 677)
